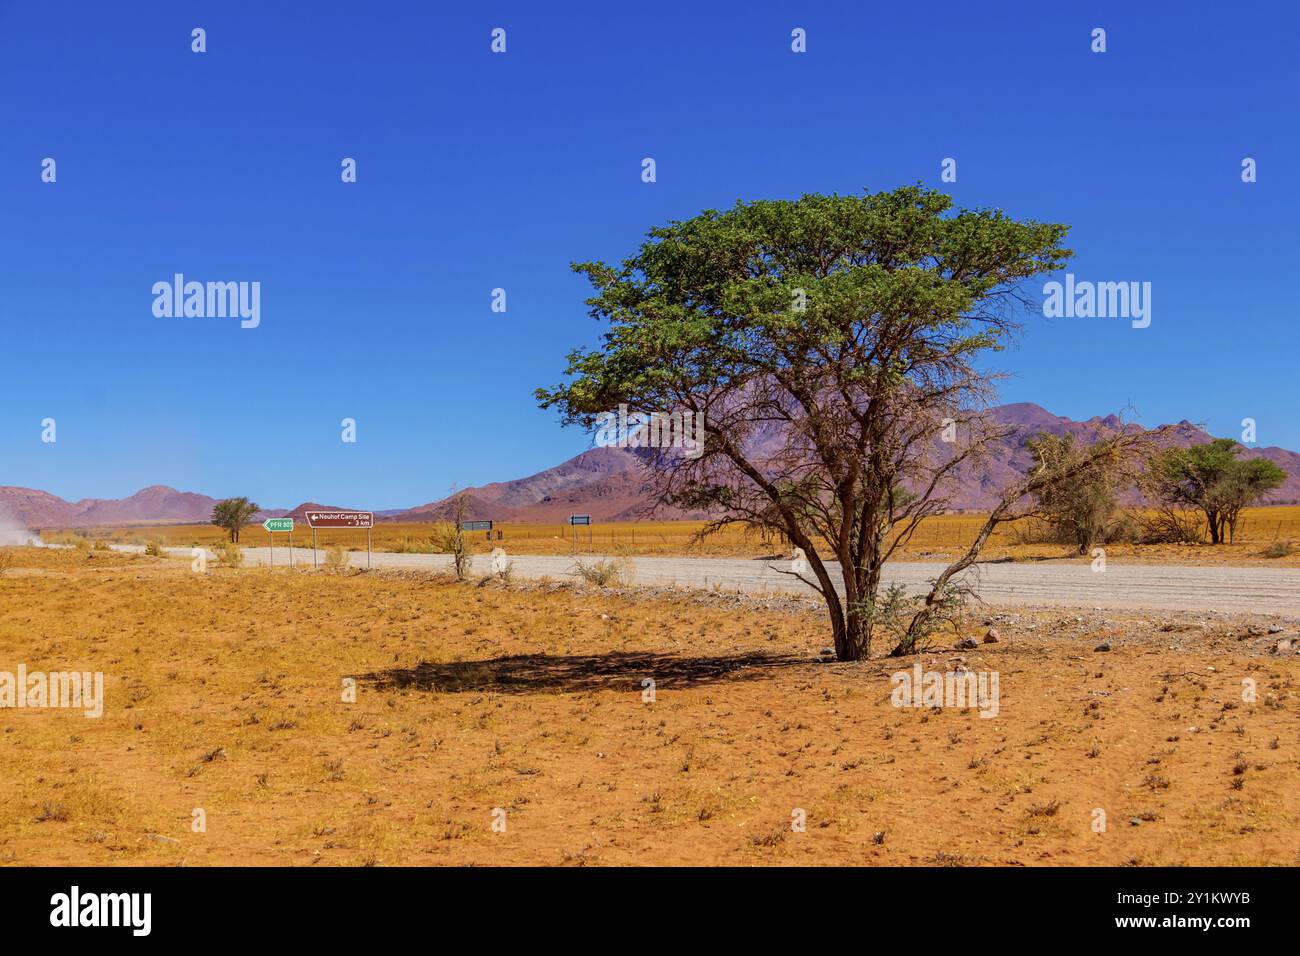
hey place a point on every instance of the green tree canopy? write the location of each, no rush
(832, 345)
(233, 514)
(1212, 479)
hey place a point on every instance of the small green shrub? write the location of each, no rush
(229, 555)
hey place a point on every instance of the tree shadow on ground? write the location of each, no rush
(618, 670)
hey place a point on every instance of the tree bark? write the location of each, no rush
(852, 637)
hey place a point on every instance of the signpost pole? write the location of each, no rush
(272, 525)
(337, 519)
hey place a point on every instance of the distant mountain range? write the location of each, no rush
(156, 504)
(606, 483)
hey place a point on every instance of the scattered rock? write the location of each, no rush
(991, 636)
(1134, 821)
(159, 838)
(878, 837)
(1102, 647)
(1275, 630)
(967, 643)
(1282, 646)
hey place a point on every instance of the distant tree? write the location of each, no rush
(1081, 510)
(836, 348)
(449, 536)
(1211, 478)
(233, 514)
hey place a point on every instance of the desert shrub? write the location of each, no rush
(80, 543)
(101, 544)
(6, 561)
(410, 545)
(1122, 526)
(1168, 525)
(449, 538)
(1126, 528)
(336, 557)
(605, 572)
(154, 548)
(229, 554)
(1278, 549)
(901, 616)
(1081, 508)
(1033, 531)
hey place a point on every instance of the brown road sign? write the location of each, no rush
(341, 519)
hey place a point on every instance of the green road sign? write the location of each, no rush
(278, 524)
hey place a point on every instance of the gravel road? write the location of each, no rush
(1131, 586)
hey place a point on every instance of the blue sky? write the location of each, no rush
(478, 171)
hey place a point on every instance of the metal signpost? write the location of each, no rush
(574, 521)
(272, 525)
(340, 519)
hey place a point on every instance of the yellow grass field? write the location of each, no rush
(936, 538)
(226, 701)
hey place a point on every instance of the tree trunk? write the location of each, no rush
(1216, 532)
(860, 587)
(852, 637)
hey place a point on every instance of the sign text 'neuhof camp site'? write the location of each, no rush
(339, 519)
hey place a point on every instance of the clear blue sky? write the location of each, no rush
(478, 170)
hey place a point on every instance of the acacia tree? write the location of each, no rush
(233, 514)
(449, 536)
(1213, 480)
(1080, 511)
(831, 344)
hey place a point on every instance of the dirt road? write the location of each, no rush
(1151, 587)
